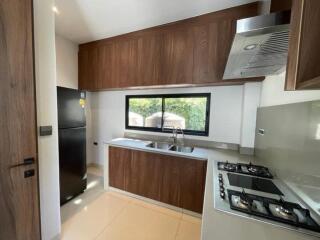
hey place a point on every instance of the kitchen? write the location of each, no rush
(148, 120)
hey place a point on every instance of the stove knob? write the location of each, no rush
(221, 184)
(220, 179)
(221, 189)
(222, 195)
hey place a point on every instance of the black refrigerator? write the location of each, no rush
(72, 143)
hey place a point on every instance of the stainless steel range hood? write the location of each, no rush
(260, 46)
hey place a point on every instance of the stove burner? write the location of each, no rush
(283, 212)
(230, 167)
(277, 210)
(253, 169)
(248, 169)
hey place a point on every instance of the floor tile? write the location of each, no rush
(188, 231)
(188, 218)
(94, 190)
(149, 223)
(93, 219)
(98, 171)
(158, 208)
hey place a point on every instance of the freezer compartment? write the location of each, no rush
(71, 108)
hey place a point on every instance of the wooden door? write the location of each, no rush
(119, 159)
(144, 175)
(19, 198)
(303, 71)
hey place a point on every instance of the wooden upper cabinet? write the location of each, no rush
(124, 63)
(105, 66)
(177, 57)
(211, 50)
(89, 69)
(191, 51)
(149, 61)
(303, 71)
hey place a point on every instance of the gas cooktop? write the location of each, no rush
(277, 210)
(247, 169)
(247, 189)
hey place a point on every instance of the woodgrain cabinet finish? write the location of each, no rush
(119, 161)
(191, 51)
(172, 180)
(303, 69)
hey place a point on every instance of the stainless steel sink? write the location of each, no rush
(159, 145)
(183, 149)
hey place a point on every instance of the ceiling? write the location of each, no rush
(88, 20)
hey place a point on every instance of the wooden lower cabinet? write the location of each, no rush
(143, 176)
(172, 180)
(119, 160)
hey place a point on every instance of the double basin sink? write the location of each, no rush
(170, 147)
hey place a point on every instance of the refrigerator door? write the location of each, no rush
(71, 112)
(72, 160)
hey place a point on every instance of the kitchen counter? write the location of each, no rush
(198, 153)
(221, 225)
(217, 224)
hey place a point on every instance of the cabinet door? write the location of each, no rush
(170, 184)
(119, 159)
(177, 57)
(106, 67)
(144, 175)
(88, 69)
(192, 184)
(212, 46)
(149, 61)
(303, 71)
(124, 63)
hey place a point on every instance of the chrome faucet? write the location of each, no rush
(175, 132)
(182, 132)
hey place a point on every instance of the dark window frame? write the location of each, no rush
(169, 130)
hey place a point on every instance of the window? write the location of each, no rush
(161, 113)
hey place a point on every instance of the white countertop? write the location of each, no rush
(198, 153)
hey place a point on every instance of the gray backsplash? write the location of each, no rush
(290, 145)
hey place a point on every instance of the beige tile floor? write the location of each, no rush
(95, 170)
(114, 216)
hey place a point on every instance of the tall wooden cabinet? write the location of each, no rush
(177, 181)
(303, 68)
(19, 197)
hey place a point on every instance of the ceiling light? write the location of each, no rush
(55, 10)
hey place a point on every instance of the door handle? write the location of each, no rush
(27, 161)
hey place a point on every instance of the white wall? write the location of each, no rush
(47, 115)
(251, 101)
(67, 62)
(273, 92)
(108, 115)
